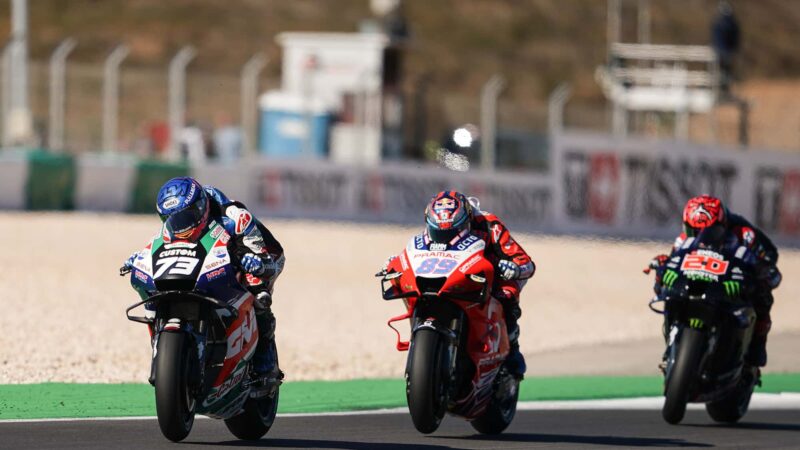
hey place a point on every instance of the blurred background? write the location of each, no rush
(406, 74)
(335, 121)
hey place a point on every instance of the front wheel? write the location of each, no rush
(683, 374)
(175, 402)
(732, 407)
(426, 383)
(502, 408)
(256, 419)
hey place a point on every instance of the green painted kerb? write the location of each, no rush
(56, 400)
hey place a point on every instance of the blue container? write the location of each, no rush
(289, 128)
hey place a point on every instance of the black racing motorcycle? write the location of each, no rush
(708, 324)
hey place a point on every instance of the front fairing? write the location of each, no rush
(204, 266)
(458, 271)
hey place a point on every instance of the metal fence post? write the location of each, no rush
(555, 109)
(177, 96)
(58, 63)
(19, 123)
(111, 97)
(249, 100)
(489, 94)
(6, 90)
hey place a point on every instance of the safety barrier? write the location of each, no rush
(598, 185)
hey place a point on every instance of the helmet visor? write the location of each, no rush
(711, 237)
(183, 223)
(442, 236)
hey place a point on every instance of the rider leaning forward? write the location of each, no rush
(186, 209)
(708, 213)
(449, 217)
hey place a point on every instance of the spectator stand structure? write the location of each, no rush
(678, 79)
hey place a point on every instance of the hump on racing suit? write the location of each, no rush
(499, 239)
(742, 232)
(248, 233)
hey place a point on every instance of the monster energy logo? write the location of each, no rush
(669, 278)
(732, 288)
(694, 322)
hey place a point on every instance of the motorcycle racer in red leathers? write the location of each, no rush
(187, 208)
(706, 212)
(449, 216)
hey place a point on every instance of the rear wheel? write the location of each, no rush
(683, 374)
(502, 408)
(426, 389)
(175, 402)
(256, 419)
(732, 407)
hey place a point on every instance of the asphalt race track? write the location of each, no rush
(531, 429)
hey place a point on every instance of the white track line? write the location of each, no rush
(783, 401)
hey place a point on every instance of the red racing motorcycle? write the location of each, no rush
(458, 338)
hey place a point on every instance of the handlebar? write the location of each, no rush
(124, 270)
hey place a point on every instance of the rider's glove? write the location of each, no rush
(127, 266)
(259, 266)
(771, 276)
(509, 270)
(655, 263)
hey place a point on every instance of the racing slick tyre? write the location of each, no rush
(256, 419)
(502, 408)
(426, 389)
(682, 375)
(732, 407)
(175, 402)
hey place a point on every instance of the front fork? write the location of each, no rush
(673, 337)
(451, 333)
(198, 336)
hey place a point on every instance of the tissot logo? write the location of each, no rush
(651, 189)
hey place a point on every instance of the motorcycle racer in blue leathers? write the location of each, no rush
(186, 209)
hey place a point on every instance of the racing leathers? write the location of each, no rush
(262, 259)
(740, 232)
(251, 240)
(513, 267)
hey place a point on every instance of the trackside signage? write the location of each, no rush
(393, 192)
(638, 188)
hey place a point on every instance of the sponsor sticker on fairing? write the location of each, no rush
(704, 264)
(180, 245)
(215, 274)
(471, 262)
(140, 276)
(177, 252)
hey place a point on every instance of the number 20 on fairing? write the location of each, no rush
(436, 266)
(705, 263)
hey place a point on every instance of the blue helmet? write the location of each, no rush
(183, 206)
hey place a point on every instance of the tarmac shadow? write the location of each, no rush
(616, 441)
(753, 426)
(321, 443)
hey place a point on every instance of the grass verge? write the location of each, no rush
(62, 400)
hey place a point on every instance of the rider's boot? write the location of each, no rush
(515, 361)
(757, 352)
(266, 375)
